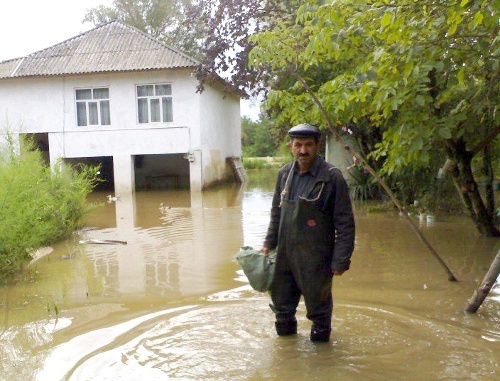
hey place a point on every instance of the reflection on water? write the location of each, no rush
(172, 303)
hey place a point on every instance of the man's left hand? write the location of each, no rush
(337, 272)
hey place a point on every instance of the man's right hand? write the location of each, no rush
(264, 250)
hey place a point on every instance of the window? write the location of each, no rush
(154, 103)
(92, 107)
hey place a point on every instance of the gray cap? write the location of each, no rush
(304, 130)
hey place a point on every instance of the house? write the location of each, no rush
(115, 96)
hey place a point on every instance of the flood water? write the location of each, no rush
(172, 304)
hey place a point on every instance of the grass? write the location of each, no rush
(262, 162)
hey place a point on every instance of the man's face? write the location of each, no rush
(304, 150)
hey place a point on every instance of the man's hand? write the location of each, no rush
(265, 251)
(337, 272)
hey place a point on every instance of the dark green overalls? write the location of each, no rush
(303, 264)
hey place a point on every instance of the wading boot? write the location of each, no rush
(320, 335)
(285, 328)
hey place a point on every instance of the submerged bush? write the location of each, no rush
(37, 206)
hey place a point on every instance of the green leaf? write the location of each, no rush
(478, 18)
(418, 143)
(386, 19)
(452, 30)
(420, 99)
(445, 133)
(461, 76)
(463, 3)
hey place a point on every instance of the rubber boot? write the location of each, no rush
(285, 328)
(320, 335)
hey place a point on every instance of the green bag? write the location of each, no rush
(258, 267)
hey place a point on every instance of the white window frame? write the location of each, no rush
(96, 108)
(154, 103)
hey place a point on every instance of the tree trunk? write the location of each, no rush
(488, 282)
(489, 177)
(468, 189)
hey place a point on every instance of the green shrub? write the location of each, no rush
(37, 206)
(361, 185)
(262, 163)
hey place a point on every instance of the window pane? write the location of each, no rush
(144, 90)
(83, 94)
(143, 110)
(167, 109)
(101, 93)
(81, 113)
(163, 89)
(155, 110)
(93, 117)
(105, 117)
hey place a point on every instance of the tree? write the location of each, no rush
(257, 139)
(163, 20)
(226, 44)
(426, 75)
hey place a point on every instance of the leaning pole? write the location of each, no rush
(485, 287)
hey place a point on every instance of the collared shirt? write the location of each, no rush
(303, 182)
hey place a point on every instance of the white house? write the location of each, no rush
(118, 97)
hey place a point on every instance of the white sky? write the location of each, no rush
(27, 26)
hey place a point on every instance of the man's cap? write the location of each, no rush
(304, 130)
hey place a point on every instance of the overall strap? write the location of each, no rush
(288, 184)
(322, 180)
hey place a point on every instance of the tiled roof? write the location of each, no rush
(112, 47)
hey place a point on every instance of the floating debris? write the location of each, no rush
(112, 198)
(39, 253)
(69, 256)
(163, 208)
(103, 242)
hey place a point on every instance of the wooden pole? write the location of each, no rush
(488, 282)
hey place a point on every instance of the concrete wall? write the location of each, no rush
(337, 155)
(220, 134)
(205, 128)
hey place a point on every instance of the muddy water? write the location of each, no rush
(172, 304)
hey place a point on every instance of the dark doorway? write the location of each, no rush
(40, 143)
(161, 172)
(106, 173)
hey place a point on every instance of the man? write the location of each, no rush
(312, 227)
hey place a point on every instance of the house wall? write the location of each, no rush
(337, 155)
(220, 124)
(206, 126)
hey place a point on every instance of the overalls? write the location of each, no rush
(303, 263)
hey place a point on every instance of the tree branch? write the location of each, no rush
(493, 133)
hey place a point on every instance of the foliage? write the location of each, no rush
(425, 75)
(380, 208)
(163, 20)
(257, 139)
(361, 185)
(37, 207)
(409, 68)
(255, 163)
(226, 44)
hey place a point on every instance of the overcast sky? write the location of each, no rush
(27, 26)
